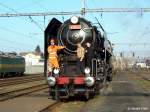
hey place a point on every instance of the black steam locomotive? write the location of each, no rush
(66, 81)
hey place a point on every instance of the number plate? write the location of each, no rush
(74, 27)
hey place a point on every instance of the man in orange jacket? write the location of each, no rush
(53, 58)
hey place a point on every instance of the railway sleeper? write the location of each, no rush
(64, 93)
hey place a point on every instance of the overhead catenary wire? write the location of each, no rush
(15, 42)
(31, 4)
(131, 44)
(44, 14)
(37, 24)
(15, 32)
(12, 47)
(38, 14)
(99, 24)
(6, 46)
(3, 5)
(118, 10)
(38, 3)
(13, 10)
(101, 10)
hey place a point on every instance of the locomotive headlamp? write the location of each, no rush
(89, 81)
(87, 70)
(56, 71)
(51, 80)
(74, 19)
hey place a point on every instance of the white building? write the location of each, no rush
(32, 58)
(141, 65)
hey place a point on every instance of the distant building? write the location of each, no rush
(32, 58)
(147, 62)
(141, 65)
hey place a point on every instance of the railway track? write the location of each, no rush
(140, 75)
(20, 80)
(21, 92)
(14, 87)
(73, 105)
(51, 107)
(144, 77)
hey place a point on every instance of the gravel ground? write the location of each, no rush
(34, 69)
(33, 102)
(124, 94)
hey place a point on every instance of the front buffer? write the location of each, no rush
(64, 87)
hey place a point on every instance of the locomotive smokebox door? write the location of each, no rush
(73, 31)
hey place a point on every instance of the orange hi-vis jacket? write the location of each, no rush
(53, 58)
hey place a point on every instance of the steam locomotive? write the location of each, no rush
(65, 81)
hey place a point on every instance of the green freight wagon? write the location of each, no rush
(11, 64)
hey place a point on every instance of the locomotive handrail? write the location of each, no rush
(94, 59)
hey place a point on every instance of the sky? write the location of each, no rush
(21, 34)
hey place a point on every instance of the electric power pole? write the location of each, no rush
(83, 10)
